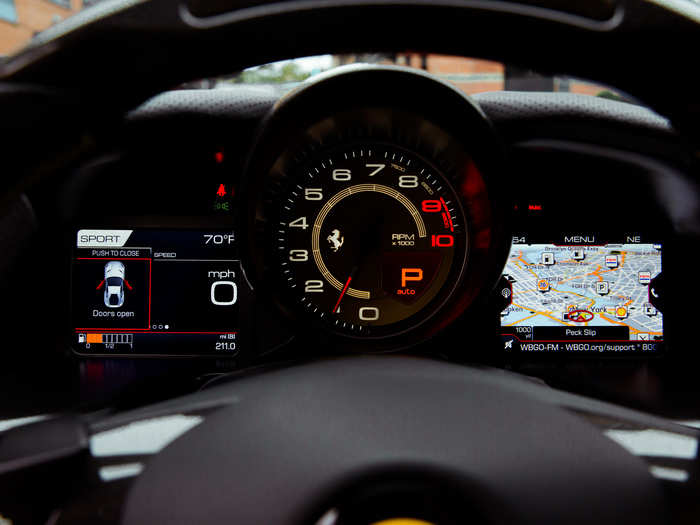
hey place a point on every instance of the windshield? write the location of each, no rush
(22, 20)
(471, 75)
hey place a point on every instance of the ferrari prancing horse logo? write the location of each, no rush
(336, 240)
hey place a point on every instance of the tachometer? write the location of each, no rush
(373, 213)
(371, 238)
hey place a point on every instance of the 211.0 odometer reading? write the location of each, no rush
(372, 239)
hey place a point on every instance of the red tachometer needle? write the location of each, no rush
(345, 288)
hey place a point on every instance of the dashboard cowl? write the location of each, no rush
(515, 115)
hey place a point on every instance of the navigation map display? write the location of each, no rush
(582, 298)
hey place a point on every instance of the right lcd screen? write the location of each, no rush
(582, 299)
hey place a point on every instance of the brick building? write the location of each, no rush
(473, 75)
(20, 20)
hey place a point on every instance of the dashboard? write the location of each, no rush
(375, 223)
(197, 287)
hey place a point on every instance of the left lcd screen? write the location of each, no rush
(157, 292)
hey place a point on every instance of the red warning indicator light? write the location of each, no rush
(219, 157)
(221, 191)
(534, 207)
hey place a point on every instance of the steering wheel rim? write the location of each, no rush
(295, 443)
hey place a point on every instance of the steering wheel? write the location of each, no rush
(361, 439)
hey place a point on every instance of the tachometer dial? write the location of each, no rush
(372, 210)
(371, 238)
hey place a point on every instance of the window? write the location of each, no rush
(8, 11)
(63, 3)
(470, 75)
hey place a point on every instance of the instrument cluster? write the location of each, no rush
(374, 217)
(372, 210)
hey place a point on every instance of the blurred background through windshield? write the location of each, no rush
(21, 20)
